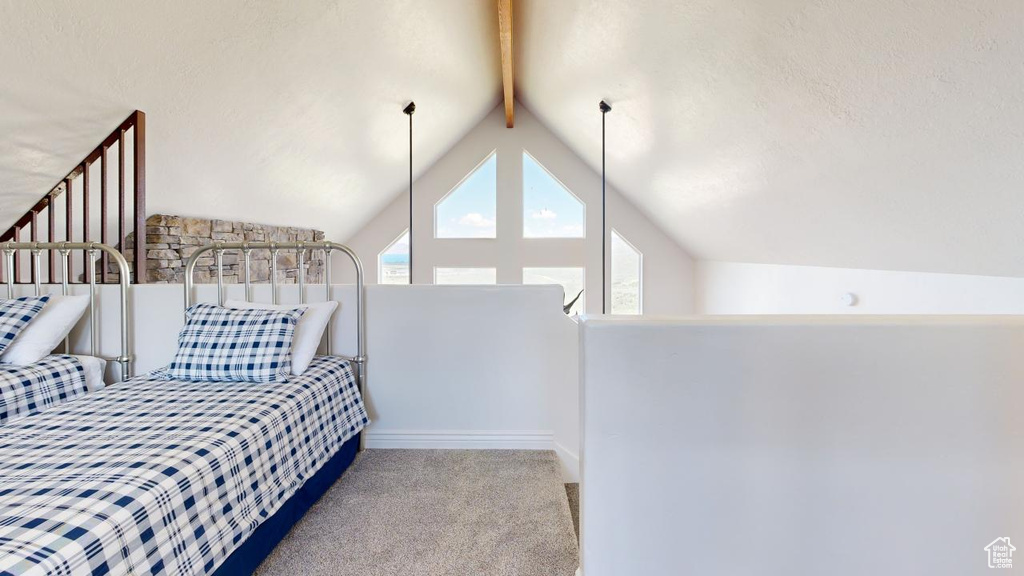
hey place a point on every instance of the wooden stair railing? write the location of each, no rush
(77, 225)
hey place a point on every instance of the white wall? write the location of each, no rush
(667, 268)
(800, 446)
(449, 366)
(473, 367)
(737, 288)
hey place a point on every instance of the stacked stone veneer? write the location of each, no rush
(171, 240)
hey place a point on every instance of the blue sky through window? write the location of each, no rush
(549, 209)
(470, 211)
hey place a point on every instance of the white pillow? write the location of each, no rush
(308, 332)
(95, 369)
(46, 331)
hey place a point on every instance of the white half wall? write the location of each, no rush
(738, 288)
(473, 367)
(796, 446)
(449, 366)
(667, 268)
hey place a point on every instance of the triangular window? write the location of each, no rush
(550, 210)
(393, 262)
(469, 210)
(627, 277)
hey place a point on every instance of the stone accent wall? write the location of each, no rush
(171, 240)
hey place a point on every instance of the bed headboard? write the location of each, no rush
(92, 252)
(301, 248)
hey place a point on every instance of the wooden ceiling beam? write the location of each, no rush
(507, 64)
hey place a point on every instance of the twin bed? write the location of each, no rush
(164, 475)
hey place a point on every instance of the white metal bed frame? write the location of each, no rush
(64, 249)
(246, 248)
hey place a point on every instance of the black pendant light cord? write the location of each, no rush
(605, 109)
(408, 110)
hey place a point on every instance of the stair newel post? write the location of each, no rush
(140, 197)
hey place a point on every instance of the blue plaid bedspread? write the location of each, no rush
(26, 390)
(156, 476)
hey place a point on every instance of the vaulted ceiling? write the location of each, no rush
(277, 112)
(865, 133)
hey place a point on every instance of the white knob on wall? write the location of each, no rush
(849, 299)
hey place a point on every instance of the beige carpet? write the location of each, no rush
(437, 513)
(573, 493)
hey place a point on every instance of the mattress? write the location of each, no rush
(156, 476)
(54, 380)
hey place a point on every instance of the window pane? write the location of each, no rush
(549, 209)
(627, 270)
(465, 276)
(393, 263)
(570, 279)
(469, 210)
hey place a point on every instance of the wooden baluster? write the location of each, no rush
(68, 220)
(17, 256)
(87, 262)
(34, 237)
(104, 263)
(51, 232)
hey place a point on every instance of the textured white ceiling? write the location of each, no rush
(869, 134)
(865, 134)
(276, 112)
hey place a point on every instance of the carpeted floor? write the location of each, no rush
(437, 513)
(572, 491)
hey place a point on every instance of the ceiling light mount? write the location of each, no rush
(409, 109)
(605, 107)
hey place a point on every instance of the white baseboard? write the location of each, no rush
(461, 439)
(570, 463)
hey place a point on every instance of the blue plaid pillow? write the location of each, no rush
(16, 314)
(224, 345)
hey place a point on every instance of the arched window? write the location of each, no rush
(550, 210)
(470, 209)
(627, 277)
(393, 262)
